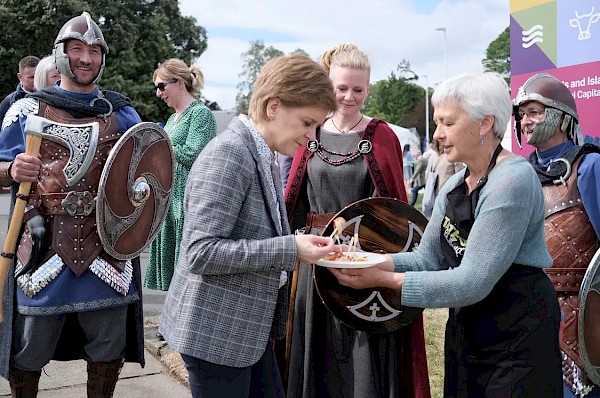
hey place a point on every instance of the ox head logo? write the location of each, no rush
(583, 23)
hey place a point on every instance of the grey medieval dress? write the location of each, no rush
(329, 358)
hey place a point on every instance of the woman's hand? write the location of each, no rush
(362, 278)
(312, 248)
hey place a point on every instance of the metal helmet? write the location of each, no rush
(82, 28)
(559, 105)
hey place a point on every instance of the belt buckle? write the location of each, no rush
(79, 203)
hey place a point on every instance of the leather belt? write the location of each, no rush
(72, 203)
(318, 220)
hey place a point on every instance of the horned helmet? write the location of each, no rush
(559, 106)
(81, 28)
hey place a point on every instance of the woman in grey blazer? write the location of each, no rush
(228, 298)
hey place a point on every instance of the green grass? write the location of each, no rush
(435, 326)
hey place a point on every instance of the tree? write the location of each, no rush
(300, 51)
(397, 99)
(497, 55)
(29, 28)
(416, 118)
(254, 59)
(140, 34)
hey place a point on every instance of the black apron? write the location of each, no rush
(507, 344)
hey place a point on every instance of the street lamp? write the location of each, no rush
(443, 29)
(426, 110)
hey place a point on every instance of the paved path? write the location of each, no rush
(68, 379)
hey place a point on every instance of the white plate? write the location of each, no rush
(372, 259)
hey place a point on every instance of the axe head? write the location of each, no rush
(80, 139)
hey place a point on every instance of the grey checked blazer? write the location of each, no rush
(221, 304)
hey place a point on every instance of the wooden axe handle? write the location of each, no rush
(32, 147)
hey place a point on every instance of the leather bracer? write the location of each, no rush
(5, 178)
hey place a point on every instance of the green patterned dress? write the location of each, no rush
(189, 135)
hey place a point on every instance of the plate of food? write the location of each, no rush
(351, 260)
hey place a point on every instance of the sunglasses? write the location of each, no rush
(162, 85)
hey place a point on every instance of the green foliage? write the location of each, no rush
(416, 118)
(254, 59)
(29, 28)
(140, 34)
(497, 55)
(397, 99)
(300, 51)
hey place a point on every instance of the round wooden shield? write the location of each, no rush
(383, 225)
(589, 320)
(135, 190)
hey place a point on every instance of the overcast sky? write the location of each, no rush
(388, 30)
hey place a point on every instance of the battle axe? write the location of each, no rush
(37, 128)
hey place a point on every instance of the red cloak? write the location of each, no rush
(384, 162)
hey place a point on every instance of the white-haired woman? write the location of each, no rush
(482, 255)
(46, 73)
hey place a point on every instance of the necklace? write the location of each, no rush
(350, 129)
(364, 147)
(346, 157)
(554, 158)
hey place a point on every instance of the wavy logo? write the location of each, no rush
(532, 36)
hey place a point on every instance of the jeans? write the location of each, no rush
(415, 193)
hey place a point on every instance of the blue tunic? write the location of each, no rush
(67, 292)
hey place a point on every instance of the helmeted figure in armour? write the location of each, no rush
(546, 113)
(73, 300)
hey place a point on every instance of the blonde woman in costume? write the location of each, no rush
(328, 358)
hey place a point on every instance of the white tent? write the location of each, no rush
(407, 136)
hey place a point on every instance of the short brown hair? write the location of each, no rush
(296, 80)
(29, 61)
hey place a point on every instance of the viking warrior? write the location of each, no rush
(545, 112)
(73, 298)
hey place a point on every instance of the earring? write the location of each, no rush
(481, 141)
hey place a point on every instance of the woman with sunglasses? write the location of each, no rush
(190, 128)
